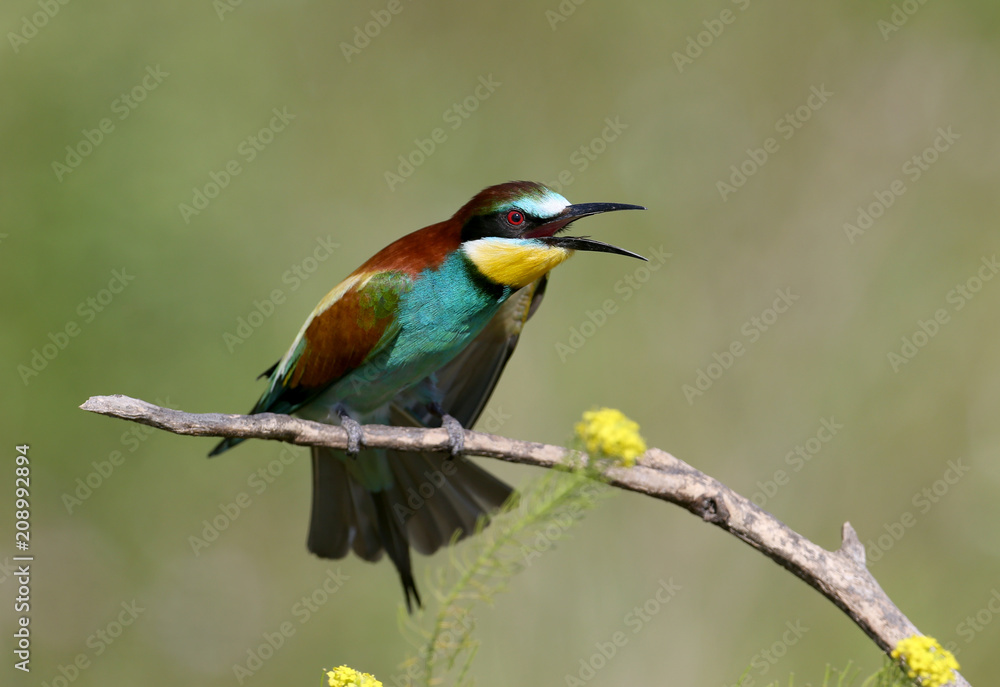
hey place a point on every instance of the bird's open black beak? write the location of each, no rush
(547, 232)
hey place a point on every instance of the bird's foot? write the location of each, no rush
(456, 432)
(355, 437)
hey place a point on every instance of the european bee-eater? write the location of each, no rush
(418, 336)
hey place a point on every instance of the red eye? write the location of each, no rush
(515, 217)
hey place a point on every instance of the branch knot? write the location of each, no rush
(712, 509)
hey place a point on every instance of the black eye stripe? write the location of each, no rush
(498, 223)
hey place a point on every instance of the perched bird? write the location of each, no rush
(418, 336)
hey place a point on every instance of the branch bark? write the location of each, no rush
(841, 576)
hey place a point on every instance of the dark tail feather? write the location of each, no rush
(439, 496)
(396, 544)
(345, 515)
(332, 524)
(432, 498)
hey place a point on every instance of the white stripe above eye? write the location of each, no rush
(549, 205)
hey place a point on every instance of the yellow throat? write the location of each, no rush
(514, 262)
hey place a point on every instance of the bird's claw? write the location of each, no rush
(355, 437)
(456, 434)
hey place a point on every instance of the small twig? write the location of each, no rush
(841, 576)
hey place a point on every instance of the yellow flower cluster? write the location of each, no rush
(349, 677)
(926, 659)
(610, 432)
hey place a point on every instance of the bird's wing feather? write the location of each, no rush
(350, 324)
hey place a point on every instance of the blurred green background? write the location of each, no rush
(692, 89)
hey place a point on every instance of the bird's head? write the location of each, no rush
(509, 231)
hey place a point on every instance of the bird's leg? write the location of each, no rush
(354, 434)
(456, 433)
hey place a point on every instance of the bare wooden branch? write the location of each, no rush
(841, 576)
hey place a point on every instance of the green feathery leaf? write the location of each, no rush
(519, 533)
